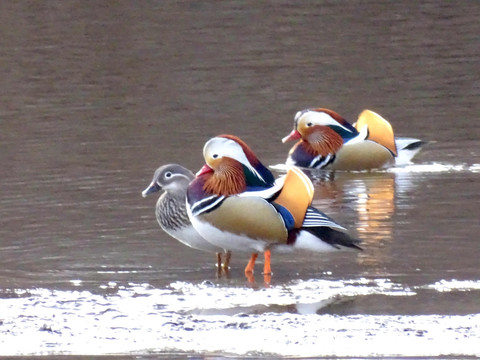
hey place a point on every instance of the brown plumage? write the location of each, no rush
(228, 179)
(322, 140)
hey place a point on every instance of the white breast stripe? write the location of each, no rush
(206, 204)
(319, 162)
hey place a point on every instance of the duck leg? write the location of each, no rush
(219, 262)
(267, 271)
(226, 263)
(251, 263)
(249, 268)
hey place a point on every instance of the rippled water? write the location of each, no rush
(96, 95)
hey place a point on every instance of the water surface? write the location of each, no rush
(95, 96)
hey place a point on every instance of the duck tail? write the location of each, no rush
(335, 238)
(407, 149)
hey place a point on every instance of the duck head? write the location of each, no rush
(170, 177)
(323, 130)
(232, 167)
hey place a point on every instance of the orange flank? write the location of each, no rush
(379, 129)
(296, 195)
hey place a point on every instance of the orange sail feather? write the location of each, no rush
(296, 194)
(379, 129)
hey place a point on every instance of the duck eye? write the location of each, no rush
(309, 124)
(168, 175)
(215, 156)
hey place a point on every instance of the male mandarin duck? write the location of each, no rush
(328, 141)
(236, 204)
(171, 211)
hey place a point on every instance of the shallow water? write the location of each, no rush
(95, 96)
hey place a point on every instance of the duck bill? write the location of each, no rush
(205, 169)
(294, 135)
(152, 188)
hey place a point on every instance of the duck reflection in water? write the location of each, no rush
(373, 196)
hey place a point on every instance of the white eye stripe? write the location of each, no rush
(321, 118)
(223, 147)
(175, 175)
(180, 175)
(297, 115)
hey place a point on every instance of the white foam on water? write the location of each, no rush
(208, 318)
(411, 168)
(429, 168)
(454, 285)
(474, 168)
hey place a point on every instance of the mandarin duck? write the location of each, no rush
(236, 204)
(328, 141)
(171, 211)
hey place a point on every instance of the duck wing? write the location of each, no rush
(379, 129)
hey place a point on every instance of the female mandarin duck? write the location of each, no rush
(236, 204)
(327, 141)
(171, 211)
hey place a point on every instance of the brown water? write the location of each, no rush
(96, 95)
